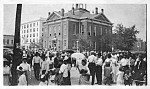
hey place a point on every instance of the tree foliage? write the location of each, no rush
(84, 44)
(124, 38)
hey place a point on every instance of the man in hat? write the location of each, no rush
(92, 66)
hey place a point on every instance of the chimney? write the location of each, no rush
(96, 10)
(76, 6)
(62, 12)
(49, 13)
(73, 10)
(102, 11)
(85, 6)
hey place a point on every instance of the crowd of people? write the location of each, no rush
(54, 68)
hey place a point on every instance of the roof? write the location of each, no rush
(80, 13)
(40, 19)
(8, 35)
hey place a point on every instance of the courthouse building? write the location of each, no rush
(77, 29)
(31, 32)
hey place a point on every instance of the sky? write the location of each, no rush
(126, 14)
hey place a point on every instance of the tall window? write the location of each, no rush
(65, 43)
(50, 30)
(94, 30)
(7, 41)
(65, 29)
(90, 43)
(82, 30)
(30, 35)
(33, 24)
(12, 41)
(50, 43)
(33, 40)
(33, 29)
(74, 28)
(74, 43)
(24, 26)
(106, 31)
(33, 34)
(59, 29)
(4, 41)
(37, 23)
(94, 45)
(101, 32)
(90, 29)
(24, 31)
(30, 25)
(59, 42)
(27, 25)
(54, 30)
(30, 30)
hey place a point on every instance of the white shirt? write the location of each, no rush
(108, 60)
(25, 66)
(45, 65)
(99, 62)
(92, 59)
(36, 60)
(64, 70)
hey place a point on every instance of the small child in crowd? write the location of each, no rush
(43, 80)
(22, 78)
(120, 74)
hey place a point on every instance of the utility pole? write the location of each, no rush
(17, 52)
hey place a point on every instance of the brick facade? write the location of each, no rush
(77, 25)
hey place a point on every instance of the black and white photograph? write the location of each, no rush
(75, 44)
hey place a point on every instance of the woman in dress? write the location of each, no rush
(44, 66)
(6, 73)
(120, 74)
(107, 70)
(85, 73)
(114, 66)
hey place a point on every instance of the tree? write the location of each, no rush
(124, 38)
(84, 44)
